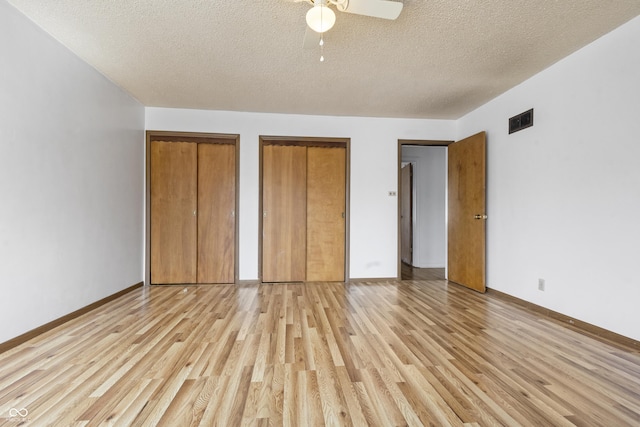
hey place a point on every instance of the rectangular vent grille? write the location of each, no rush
(521, 121)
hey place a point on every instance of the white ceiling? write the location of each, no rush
(439, 59)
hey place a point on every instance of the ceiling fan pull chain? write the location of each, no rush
(321, 41)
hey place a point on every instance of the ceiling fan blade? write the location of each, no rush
(384, 9)
(311, 39)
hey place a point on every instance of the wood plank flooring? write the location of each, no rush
(381, 353)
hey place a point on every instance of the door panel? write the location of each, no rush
(466, 207)
(173, 212)
(216, 213)
(284, 213)
(406, 220)
(325, 214)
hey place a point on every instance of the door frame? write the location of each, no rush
(195, 137)
(401, 143)
(306, 141)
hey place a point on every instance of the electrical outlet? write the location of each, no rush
(392, 193)
(541, 284)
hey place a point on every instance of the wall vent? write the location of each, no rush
(521, 121)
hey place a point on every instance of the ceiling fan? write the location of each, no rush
(320, 18)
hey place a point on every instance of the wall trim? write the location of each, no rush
(593, 331)
(14, 342)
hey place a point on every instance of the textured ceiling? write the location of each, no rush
(439, 59)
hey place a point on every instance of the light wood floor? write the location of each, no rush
(379, 353)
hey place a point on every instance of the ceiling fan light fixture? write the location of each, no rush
(320, 18)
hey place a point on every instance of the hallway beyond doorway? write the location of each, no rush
(415, 273)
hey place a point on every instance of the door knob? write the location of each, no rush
(478, 216)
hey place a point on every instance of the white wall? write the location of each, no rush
(374, 146)
(71, 180)
(564, 195)
(430, 196)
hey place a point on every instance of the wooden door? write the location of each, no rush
(467, 212)
(326, 171)
(406, 214)
(216, 213)
(173, 212)
(284, 184)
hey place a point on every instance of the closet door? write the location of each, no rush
(216, 213)
(284, 183)
(325, 213)
(173, 212)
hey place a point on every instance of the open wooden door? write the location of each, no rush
(467, 212)
(406, 214)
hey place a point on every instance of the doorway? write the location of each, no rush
(465, 208)
(422, 212)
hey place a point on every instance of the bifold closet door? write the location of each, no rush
(173, 212)
(284, 183)
(216, 213)
(325, 214)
